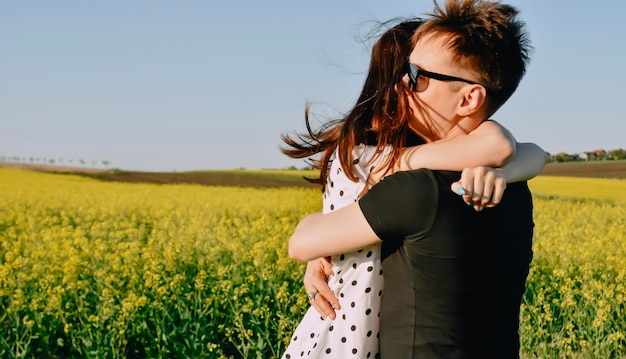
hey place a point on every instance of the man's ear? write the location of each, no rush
(473, 100)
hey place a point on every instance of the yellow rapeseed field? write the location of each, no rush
(575, 304)
(112, 270)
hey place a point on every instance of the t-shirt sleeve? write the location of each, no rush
(402, 204)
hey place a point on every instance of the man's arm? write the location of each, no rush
(341, 231)
(399, 205)
(349, 229)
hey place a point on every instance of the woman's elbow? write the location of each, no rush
(503, 150)
(538, 155)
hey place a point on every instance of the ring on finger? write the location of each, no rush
(312, 295)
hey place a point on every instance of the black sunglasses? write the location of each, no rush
(414, 72)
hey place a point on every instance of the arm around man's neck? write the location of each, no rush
(527, 163)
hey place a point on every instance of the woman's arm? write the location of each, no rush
(489, 145)
(527, 163)
(484, 186)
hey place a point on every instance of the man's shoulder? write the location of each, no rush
(425, 179)
(392, 206)
(425, 175)
(432, 179)
(416, 183)
(405, 184)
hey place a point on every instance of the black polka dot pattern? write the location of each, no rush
(357, 282)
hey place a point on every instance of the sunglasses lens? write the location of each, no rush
(413, 72)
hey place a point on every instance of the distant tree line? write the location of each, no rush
(54, 161)
(294, 168)
(596, 155)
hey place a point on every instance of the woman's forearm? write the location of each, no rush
(489, 145)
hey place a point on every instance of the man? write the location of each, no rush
(454, 276)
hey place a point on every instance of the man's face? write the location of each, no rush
(435, 102)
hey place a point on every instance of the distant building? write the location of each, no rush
(564, 157)
(588, 156)
(600, 154)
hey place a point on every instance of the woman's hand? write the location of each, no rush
(376, 175)
(481, 187)
(324, 300)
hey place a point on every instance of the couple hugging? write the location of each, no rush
(414, 180)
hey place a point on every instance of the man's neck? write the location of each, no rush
(464, 126)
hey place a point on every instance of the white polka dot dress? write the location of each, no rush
(357, 282)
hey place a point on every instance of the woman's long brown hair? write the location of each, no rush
(380, 115)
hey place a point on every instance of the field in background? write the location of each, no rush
(239, 178)
(579, 188)
(92, 269)
(135, 270)
(593, 169)
(289, 178)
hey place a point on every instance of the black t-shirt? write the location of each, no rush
(454, 277)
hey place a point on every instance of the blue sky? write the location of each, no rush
(184, 85)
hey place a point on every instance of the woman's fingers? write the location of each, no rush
(320, 295)
(480, 187)
(498, 190)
